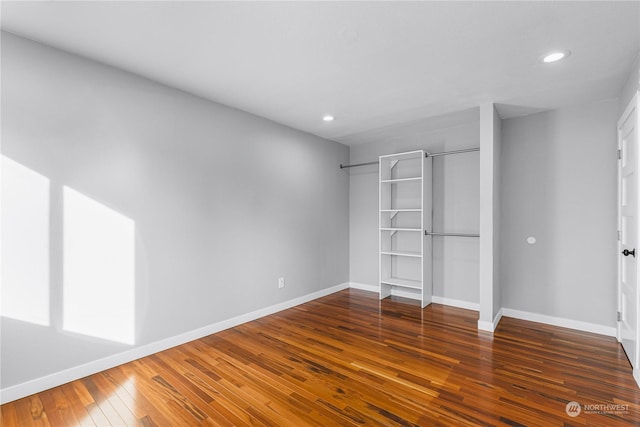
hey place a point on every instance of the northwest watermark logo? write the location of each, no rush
(606, 408)
(573, 409)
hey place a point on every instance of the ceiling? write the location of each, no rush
(374, 65)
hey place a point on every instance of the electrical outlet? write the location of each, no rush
(280, 282)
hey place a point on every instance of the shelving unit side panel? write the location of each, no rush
(427, 224)
(383, 290)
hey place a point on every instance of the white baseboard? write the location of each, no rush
(37, 385)
(456, 303)
(636, 376)
(364, 287)
(484, 325)
(507, 312)
(406, 294)
(434, 299)
(376, 289)
(559, 321)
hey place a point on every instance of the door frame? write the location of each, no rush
(634, 104)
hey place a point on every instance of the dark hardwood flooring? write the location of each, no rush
(349, 359)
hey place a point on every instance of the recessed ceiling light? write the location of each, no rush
(555, 56)
(328, 118)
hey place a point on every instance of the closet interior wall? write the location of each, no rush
(455, 203)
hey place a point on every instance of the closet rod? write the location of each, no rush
(446, 153)
(357, 164)
(427, 233)
(443, 153)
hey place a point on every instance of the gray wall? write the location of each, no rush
(455, 202)
(559, 180)
(223, 202)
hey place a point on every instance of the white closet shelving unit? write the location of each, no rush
(405, 214)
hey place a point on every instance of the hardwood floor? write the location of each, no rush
(349, 359)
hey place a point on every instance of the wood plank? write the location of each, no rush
(156, 394)
(102, 402)
(77, 407)
(108, 390)
(137, 402)
(9, 415)
(49, 408)
(193, 399)
(64, 409)
(37, 412)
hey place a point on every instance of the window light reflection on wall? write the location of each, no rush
(99, 270)
(24, 282)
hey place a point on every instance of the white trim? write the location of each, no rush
(399, 292)
(434, 299)
(632, 107)
(394, 291)
(633, 103)
(483, 325)
(507, 312)
(497, 319)
(30, 387)
(467, 305)
(636, 376)
(560, 321)
(364, 287)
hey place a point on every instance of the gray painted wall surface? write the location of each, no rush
(455, 204)
(223, 202)
(559, 181)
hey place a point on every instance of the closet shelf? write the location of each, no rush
(401, 210)
(397, 180)
(405, 283)
(412, 254)
(400, 229)
(417, 154)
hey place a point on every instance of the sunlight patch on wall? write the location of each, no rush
(24, 281)
(99, 270)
